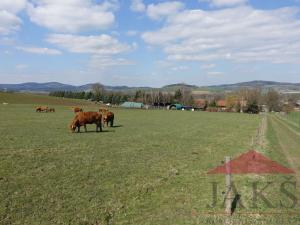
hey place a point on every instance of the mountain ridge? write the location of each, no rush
(57, 86)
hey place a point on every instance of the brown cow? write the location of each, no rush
(42, 109)
(108, 117)
(83, 118)
(77, 109)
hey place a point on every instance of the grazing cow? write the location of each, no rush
(42, 109)
(77, 109)
(108, 118)
(83, 118)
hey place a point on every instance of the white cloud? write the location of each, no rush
(40, 51)
(9, 21)
(221, 3)
(137, 6)
(132, 33)
(179, 68)
(6, 40)
(101, 62)
(240, 34)
(161, 10)
(208, 66)
(13, 6)
(101, 44)
(21, 66)
(215, 73)
(72, 15)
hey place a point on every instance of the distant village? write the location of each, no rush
(244, 100)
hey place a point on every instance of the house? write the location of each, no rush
(200, 104)
(221, 104)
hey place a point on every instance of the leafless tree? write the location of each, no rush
(273, 100)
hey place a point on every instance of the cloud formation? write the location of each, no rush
(72, 16)
(221, 3)
(102, 62)
(160, 10)
(157, 11)
(40, 51)
(100, 44)
(137, 6)
(9, 21)
(240, 34)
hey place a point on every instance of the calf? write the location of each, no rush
(83, 118)
(108, 117)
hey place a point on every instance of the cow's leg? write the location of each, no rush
(85, 128)
(100, 126)
(78, 129)
(112, 123)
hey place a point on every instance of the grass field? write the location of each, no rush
(294, 117)
(39, 99)
(151, 168)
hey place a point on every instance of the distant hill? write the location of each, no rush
(55, 86)
(172, 87)
(37, 87)
(279, 86)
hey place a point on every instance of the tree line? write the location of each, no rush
(97, 93)
(249, 100)
(149, 97)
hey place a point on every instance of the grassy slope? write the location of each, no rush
(149, 170)
(284, 148)
(294, 118)
(39, 99)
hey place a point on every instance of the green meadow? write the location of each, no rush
(151, 168)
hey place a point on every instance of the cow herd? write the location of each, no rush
(44, 109)
(100, 118)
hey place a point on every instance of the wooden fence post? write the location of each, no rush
(228, 197)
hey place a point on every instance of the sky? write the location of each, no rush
(149, 42)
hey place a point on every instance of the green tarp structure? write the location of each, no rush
(176, 106)
(136, 105)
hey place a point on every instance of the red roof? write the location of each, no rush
(221, 103)
(251, 162)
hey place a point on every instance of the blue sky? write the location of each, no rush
(149, 43)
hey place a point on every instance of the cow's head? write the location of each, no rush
(105, 118)
(72, 127)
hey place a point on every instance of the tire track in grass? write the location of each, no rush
(287, 124)
(289, 143)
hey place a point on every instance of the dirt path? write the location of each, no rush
(260, 139)
(289, 143)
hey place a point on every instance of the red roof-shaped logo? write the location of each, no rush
(251, 162)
